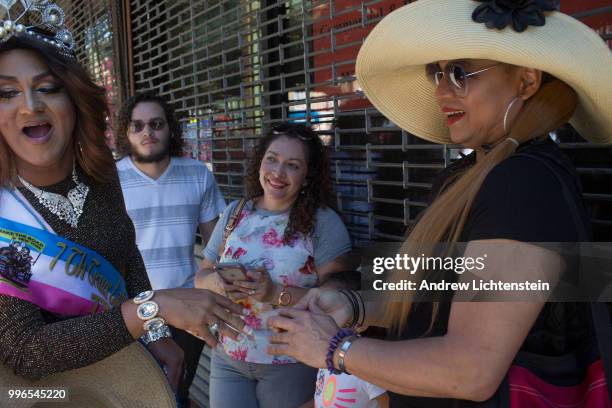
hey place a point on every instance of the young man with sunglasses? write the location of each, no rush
(167, 197)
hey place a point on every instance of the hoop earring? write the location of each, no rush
(506, 114)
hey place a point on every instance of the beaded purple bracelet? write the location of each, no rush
(334, 342)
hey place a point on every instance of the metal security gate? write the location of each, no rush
(93, 24)
(232, 67)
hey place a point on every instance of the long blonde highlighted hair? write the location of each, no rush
(443, 221)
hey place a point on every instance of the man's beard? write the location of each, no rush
(152, 158)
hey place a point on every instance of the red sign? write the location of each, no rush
(338, 32)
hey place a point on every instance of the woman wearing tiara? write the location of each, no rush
(89, 295)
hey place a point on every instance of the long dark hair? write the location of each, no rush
(89, 101)
(125, 116)
(318, 191)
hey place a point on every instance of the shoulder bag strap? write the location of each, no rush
(229, 227)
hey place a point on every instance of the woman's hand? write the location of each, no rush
(171, 357)
(215, 283)
(303, 335)
(260, 287)
(330, 302)
(194, 310)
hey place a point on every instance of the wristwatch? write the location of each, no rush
(284, 297)
(156, 329)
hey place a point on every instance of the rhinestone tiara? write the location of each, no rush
(36, 18)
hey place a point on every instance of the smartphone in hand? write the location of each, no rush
(231, 272)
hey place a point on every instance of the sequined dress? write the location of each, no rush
(36, 343)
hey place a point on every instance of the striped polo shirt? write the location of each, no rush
(166, 213)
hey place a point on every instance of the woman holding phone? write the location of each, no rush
(285, 239)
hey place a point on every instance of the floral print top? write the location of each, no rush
(257, 242)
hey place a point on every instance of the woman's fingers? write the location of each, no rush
(238, 295)
(280, 338)
(228, 304)
(196, 309)
(229, 331)
(245, 285)
(278, 349)
(282, 323)
(233, 321)
(293, 313)
(212, 282)
(256, 274)
(228, 287)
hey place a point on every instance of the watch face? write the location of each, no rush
(284, 299)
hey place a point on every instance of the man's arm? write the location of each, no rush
(206, 229)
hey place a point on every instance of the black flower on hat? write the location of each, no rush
(519, 13)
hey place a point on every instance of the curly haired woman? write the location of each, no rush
(288, 238)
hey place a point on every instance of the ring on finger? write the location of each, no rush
(214, 328)
(251, 292)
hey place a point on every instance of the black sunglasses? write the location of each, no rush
(137, 126)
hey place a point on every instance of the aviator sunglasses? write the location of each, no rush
(137, 126)
(455, 74)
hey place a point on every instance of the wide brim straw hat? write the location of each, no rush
(130, 378)
(391, 63)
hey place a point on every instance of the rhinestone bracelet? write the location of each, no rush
(155, 327)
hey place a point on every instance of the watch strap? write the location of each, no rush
(156, 334)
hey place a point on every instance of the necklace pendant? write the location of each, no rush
(67, 209)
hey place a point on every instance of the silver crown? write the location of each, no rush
(41, 14)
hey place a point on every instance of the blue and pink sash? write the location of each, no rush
(52, 272)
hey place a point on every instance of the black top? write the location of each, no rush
(36, 343)
(521, 199)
